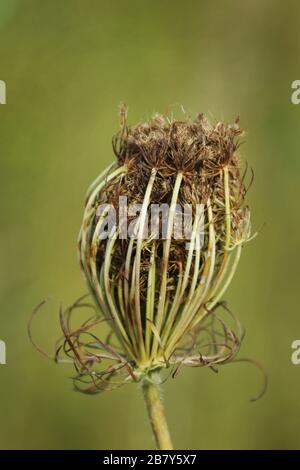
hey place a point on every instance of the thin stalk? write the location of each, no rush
(227, 254)
(83, 245)
(137, 263)
(150, 298)
(182, 283)
(229, 278)
(99, 179)
(165, 260)
(109, 291)
(152, 396)
(193, 306)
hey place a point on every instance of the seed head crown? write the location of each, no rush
(159, 294)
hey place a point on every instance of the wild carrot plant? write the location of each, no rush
(161, 237)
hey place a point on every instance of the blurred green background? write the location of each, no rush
(67, 65)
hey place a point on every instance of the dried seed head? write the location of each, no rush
(159, 290)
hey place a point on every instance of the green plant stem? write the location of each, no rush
(151, 391)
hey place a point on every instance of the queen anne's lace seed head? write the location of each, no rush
(158, 292)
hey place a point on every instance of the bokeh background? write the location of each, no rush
(67, 65)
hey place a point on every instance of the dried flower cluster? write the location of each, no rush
(159, 298)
